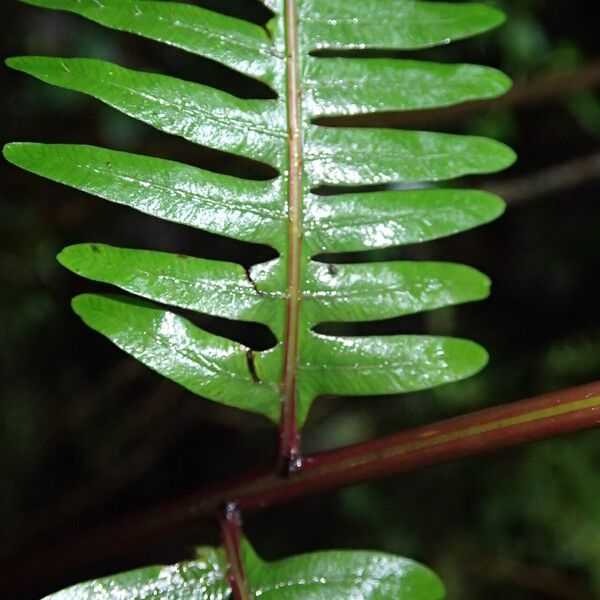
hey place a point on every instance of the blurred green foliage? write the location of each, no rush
(85, 433)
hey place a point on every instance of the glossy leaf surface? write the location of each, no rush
(237, 44)
(343, 156)
(367, 365)
(399, 25)
(370, 291)
(340, 574)
(368, 220)
(213, 287)
(353, 292)
(334, 574)
(250, 128)
(295, 292)
(350, 86)
(204, 363)
(200, 579)
(242, 209)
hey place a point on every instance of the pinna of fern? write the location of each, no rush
(303, 56)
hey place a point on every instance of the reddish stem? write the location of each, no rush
(289, 452)
(539, 418)
(230, 521)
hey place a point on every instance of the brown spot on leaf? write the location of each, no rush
(252, 365)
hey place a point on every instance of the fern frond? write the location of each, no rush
(296, 291)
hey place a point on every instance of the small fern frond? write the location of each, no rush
(338, 574)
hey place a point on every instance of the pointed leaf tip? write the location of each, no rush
(494, 16)
(8, 151)
(510, 156)
(18, 153)
(17, 62)
(496, 206)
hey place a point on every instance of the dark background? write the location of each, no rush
(86, 433)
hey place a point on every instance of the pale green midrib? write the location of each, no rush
(352, 20)
(368, 292)
(389, 366)
(350, 221)
(345, 581)
(259, 211)
(242, 287)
